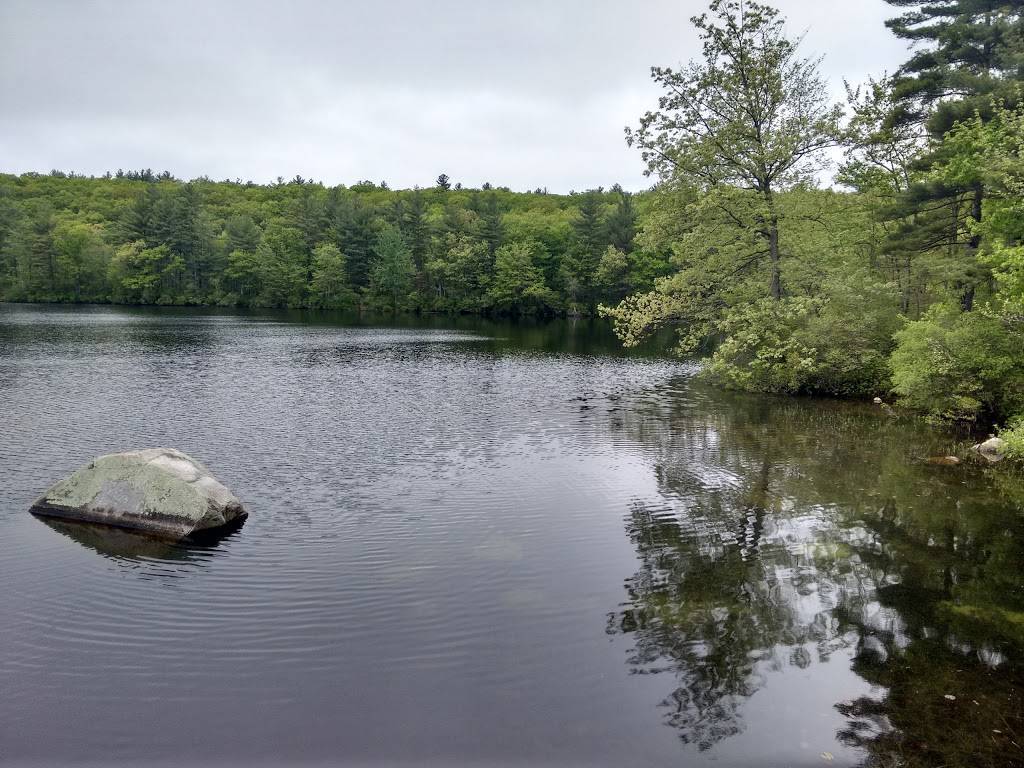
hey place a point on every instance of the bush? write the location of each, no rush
(1014, 437)
(959, 366)
(808, 346)
(761, 349)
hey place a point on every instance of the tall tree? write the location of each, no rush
(590, 238)
(9, 213)
(393, 268)
(968, 54)
(753, 114)
(241, 233)
(491, 230)
(621, 222)
(309, 214)
(415, 227)
(518, 286)
(329, 285)
(34, 255)
(459, 271)
(354, 231)
(82, 261)
(733, 130)
(965, 51)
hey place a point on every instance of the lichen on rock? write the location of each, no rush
(157, 490)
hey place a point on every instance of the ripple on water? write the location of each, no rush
(463, 546)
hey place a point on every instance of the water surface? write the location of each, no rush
(476, 543)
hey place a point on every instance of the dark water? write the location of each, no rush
(483, 544)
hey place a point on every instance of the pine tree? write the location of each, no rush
(354, 233)
(139, 220)
(241, 233)
(415, 227)
(969, 54)
(490, 230)
(8, 218)
(621, 224)
(966, 52)
(590, 238)
(310, 216)
(35, 257)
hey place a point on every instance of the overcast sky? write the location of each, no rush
(526, 94)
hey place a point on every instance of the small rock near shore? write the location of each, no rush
(158, 490)
(993, 449)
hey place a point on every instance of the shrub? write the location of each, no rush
(954, 365)
(800, 345)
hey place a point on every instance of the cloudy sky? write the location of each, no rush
(527, 94)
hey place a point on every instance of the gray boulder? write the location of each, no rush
(993, 449)
(158, 490)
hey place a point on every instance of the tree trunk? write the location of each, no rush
(773, 252)
(967, 298)
(772, 224)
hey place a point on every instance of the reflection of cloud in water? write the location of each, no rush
(498, 549)
(523, 599)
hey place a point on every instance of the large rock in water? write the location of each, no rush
(993, 449)
(158, 490)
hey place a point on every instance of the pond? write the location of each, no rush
(484, 543)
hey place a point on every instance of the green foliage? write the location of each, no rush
(803, 345)
(393, 269)
(960, 365)
(329, 287)
(965, 51)
(965, 365)
(518, 286)
(835, 325)
(138, 237)
(460, 271)
(915, 280)
(761, 349)
(1014, 437)
(81, 258)
(140, 275)
(737, 139)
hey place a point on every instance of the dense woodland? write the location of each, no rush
(140, 238)
(906, 277)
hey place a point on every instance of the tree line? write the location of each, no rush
(142, 238)
(909, 281)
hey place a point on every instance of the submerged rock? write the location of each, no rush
(993, 449)
(158, 490)
(943, 461)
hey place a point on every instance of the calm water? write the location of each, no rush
(473, 543)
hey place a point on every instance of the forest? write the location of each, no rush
(795, 244)
(142, 238)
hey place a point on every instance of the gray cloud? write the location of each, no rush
(531, 93)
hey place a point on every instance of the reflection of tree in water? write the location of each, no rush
(789, 529)
(718, 600)
(947, 640)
